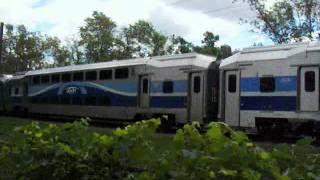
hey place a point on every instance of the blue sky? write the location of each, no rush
(188, 18)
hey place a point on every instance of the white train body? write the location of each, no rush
(273, 83)
(124, 90)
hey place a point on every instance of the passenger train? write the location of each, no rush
(257, 89)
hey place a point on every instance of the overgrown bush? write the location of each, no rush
(73, 152)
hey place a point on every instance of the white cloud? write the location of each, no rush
(187, 19)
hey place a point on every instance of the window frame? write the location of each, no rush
(88, 75)
(307, 86)
(167, 87)
(110, 77)
(38, 82)
(75, 76)
(232, 83)
(63, 75)
(46, 78)
(196, 84)
(53, 80)
(263, 87)
(126, 76)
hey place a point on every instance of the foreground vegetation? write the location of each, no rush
(71, 151)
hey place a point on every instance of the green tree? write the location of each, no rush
(23, 50)
(209, 41)
(144, 40)
(97, 37)
(179, 45)
(286, 20)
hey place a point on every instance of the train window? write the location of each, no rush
(43, 100)
(91, 76)
(310, 81)
(16, 91)
(145, 86)
(54, 100)
(196, 84)
(267, 84)
(36, 80)
(45, 79)
(66, 77)
(105, 74)
(91, 101)
(76, 100)
(232, 83)
(55, 78)
(122, 73)
(78, 76)
(104, 101)
(167, 87)
(65, 100)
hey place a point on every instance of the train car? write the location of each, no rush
(17, 100)
(272, 89)
(182, 87)
(4, 92)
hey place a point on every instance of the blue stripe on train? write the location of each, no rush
(178, 86)
(268, 103)
(168, 101)
(282, 83)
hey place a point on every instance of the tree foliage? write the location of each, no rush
(99, 40)
(287, 20)
(72, 152)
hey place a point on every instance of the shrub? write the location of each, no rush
(73, 152)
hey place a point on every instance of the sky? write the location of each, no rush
(187, 18)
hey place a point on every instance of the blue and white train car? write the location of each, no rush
(274, 87)
(184, 87)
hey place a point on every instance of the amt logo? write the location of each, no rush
(71, 90)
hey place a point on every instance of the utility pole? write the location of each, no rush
(1, 44)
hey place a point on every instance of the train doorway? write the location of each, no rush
(232, 98)
(309, 89)
(144, 91)
(196, 97)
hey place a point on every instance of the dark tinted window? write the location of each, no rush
(76, 100)
(16, 91)
(65, 100)
(43, 100)
(145, 86)
(104, 101)
(36, 80)
(167, 87)
(196, 84)
(91, 75)
(91, 101)
(44, 79)
(78, 76)
(105, 74)
(267, 84)
(55, 78)
(310, 81)
(122, 73)
(232, 83)
(54, 100)
(66, 77)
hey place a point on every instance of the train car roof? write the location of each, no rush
(5, 77)
(194, 59)
(276, 52)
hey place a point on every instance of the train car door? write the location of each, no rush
(144, 91)
(196, 97)
(309, 89)
(232, 98)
